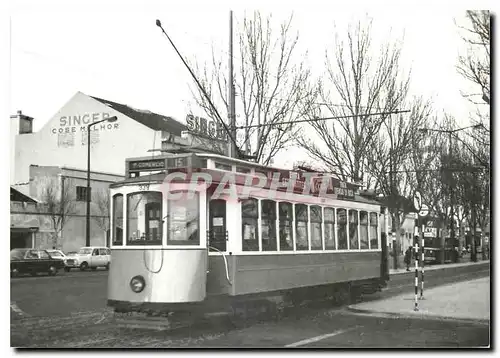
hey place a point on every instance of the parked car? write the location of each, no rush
(31, 261)
(89, 257)
(57, 254)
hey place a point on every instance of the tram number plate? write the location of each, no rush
(144, 187)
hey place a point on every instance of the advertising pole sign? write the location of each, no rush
(206, 127)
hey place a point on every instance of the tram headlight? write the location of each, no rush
(137, 284)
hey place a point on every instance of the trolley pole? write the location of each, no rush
(422, 270)
(416, 277)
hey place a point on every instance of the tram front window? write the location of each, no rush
(183, 220)
(144, 218)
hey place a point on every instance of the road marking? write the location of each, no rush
(320, 338)
(19, 311)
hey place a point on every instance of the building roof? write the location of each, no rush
(152, 120)
(16, 195)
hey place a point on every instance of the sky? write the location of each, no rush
(114, 50)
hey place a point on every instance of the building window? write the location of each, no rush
(342, 229)
(81, 193)
(301, 227)
(286, 226)
(249, 224)
(363, 229)
(353, 230)
(118, 219)
(268, 222)
(183, 220)
(373, 231)
(329, 229)
(316, 228)
(144, 218)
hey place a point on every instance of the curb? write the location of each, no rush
(417, 316)
(440, 267)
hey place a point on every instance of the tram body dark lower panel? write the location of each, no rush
(250, 274)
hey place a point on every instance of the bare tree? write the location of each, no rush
(392, 157)
(58, 205)
(272, 87)
(362, 84)
(475, 64)
(102, 215)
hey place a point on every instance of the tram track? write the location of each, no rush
(99, 329)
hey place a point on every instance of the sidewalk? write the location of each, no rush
(469, 301)
(436, 267)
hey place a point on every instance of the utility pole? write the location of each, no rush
(232, 115)
(473, 255)
(395, 209)
(452, 214)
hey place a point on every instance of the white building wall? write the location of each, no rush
(62, 141)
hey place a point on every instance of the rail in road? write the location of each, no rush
(94, 326)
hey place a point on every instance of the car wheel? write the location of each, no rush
(52, 271)
(67, 269)
(84, 266)
(14, 273)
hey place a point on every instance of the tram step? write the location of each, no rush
(152, 323)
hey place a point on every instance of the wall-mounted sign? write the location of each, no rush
(206, 127)
(146, 165)
(70, 125)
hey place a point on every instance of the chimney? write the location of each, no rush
(24, 124)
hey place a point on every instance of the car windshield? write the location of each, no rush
(55, 254)
(17, 254)
(85, 251)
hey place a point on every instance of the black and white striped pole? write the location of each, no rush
(422, 270)
(416, 277)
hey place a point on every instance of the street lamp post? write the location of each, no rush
(88, 196)
(450, 132)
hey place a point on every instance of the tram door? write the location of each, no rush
(217, 234)
(153, 219)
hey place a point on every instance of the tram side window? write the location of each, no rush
(316, 229)
(329, 229)
(249, 224)
(342, 229)
(184, 220)
(301, 220)
(286, 226)
(353, 230)
(268, 222)
(373, 231)
(144, 218)
(118, 219)
(363, 229)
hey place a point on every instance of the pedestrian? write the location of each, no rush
(408, 258)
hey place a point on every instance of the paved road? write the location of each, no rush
(76, 292)
(60, 295)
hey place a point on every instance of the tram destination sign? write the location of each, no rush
(342, 189)
(146, 165)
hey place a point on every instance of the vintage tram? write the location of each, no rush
(198, 233)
